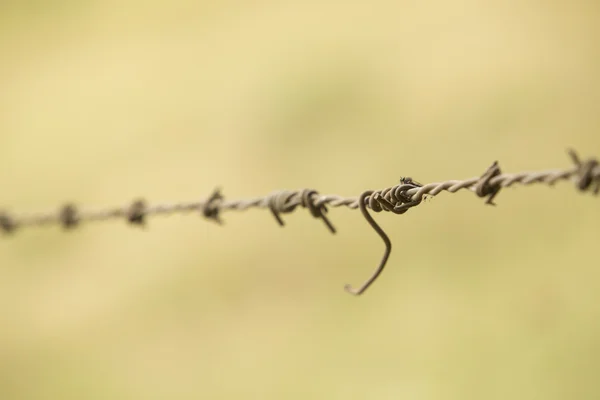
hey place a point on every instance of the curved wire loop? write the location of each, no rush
(386, 240)
(394, 199)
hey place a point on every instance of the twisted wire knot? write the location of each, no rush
(588, 172)
(7, 223)
(212, 206)
(316, 210)
(281, 202)
(137, 212)
(485, 188)
(394, 199)
(69, 216)
(286, 201)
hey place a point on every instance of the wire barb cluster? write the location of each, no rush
(397, 199)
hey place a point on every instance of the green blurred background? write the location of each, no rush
(102, 102)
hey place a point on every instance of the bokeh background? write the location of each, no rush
(105, 101)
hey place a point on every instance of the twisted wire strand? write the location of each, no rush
(397, 199)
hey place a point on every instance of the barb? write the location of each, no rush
(397, 199)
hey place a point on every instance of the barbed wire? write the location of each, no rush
(397, 199)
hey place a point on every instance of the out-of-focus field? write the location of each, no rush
(102, 102)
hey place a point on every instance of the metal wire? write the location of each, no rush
(396, 199)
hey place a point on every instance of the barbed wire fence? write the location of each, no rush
(397, 199)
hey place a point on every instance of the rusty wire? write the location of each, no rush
(396, 199)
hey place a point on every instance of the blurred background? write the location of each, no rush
(105, 101)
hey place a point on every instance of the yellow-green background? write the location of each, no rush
(102, 102)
